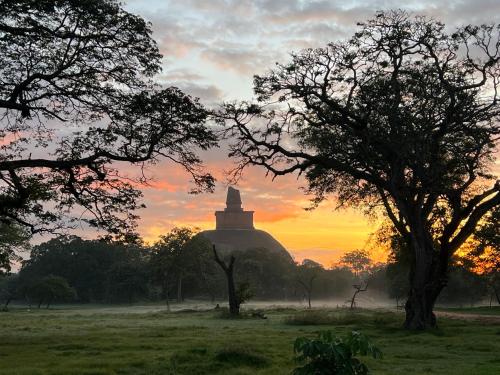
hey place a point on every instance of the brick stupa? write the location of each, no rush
(235, 231)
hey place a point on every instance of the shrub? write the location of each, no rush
(243, 293)
(331, 355)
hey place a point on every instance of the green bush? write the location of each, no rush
(332, 355)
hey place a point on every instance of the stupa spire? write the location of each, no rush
(233, 200)
(233, 216)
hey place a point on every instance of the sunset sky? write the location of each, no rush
(211, 50)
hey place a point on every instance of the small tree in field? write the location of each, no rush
(50, 289)
(8, 289)
(401, 118)
(358, 288)
(237, 294)
(307, 272)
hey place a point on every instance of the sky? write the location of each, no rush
(212, 49)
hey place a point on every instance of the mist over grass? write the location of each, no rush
(147, 339)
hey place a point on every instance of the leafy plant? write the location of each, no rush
(243, 292)
(329, 354)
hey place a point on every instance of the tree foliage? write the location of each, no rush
(402, 117)
(175, 256)
(77, 101)
(49, 289)
(8, 289)
(358, 261)
(269, 273)
(98, 270)
(14, 239)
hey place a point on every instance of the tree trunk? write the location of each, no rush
(179, 289)
(167, 297)
(353, 299)
(166, 286)
(497, 294)
(428, 277)
(6, 305)
(234, 306)
(419, 311)
(358, 289)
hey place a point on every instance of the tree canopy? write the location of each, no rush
(357, 260)
(403, 117)
(77, 100)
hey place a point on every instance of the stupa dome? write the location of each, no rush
(234, 229)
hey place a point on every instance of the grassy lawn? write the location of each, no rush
(123, 340)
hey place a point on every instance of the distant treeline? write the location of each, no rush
(181, 266)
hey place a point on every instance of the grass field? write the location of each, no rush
(148, 340)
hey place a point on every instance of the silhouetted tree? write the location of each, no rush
(201, 271)
(87, 265)
(307, 272)
(358, 288)
(270, 273)
(234, 298)
(77, 99)
(169, 260)
(8, 289)
(127, 281)
(402, 116)
(49, 289)
(357, 260)
(14, 239)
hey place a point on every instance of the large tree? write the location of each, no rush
(77, 101)
(402, 116)
(93, 267)
(14, 239)
(171, 260)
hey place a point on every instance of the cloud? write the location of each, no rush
(182, 75)
(241, 59)
(212, 49)
(209, 94)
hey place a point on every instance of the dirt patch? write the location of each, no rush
(475, 317)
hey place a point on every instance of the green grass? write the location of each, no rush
(124, 340)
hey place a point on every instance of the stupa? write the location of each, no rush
(234, 229)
